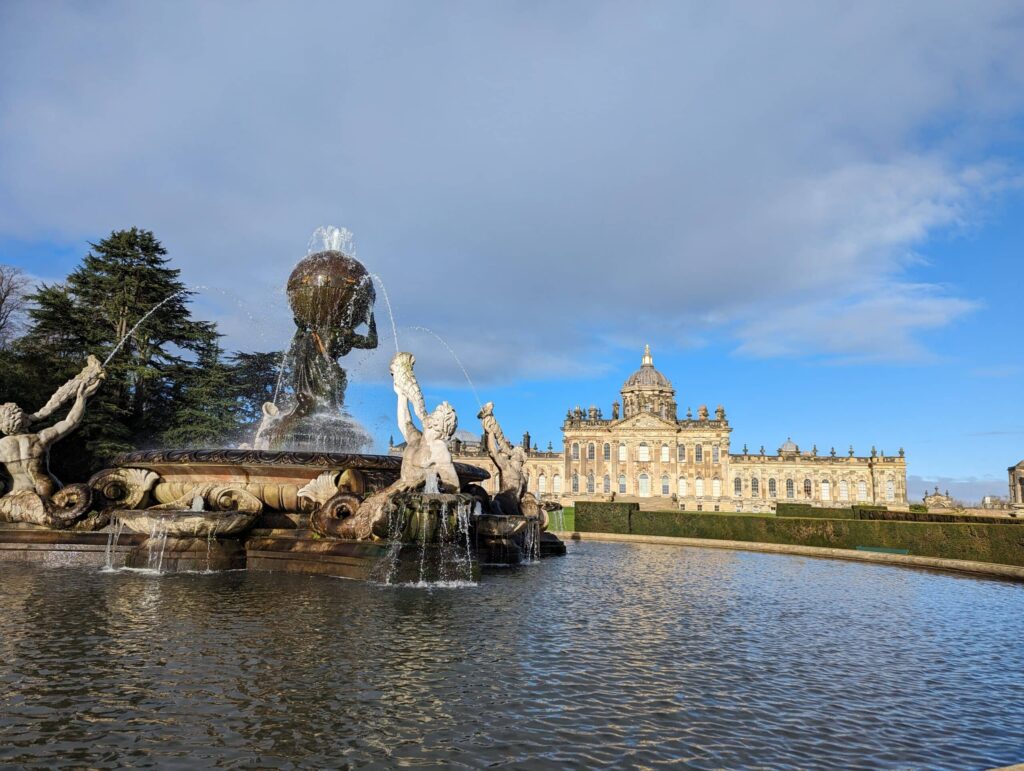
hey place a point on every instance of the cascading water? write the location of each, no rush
(430, 485)
(157, 544)
(113, 538)
(557, 521)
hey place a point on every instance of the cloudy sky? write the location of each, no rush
(812, 211)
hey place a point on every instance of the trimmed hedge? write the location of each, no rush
(936, 516)
(806, 510)
(864, 511)
(597, 517)
(993, 543)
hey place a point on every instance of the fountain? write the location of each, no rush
(305, 497)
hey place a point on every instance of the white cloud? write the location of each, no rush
(531, 181)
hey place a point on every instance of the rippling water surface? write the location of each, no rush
(625, 655)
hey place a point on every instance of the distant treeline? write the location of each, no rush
(169, 384)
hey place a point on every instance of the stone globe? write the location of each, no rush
(330, 289)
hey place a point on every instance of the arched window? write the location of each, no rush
(542, 484)
(575, 482)
(716, 487)
(826, 490)
(622, 483)
(666, 487)
(790, 489)
(681, 452)
(807, 488)
(591, 454)
(773, 489)
(755, 487)
(643, 452)
(698, 453)
(890, 490)
(622, 452)
(607, 451)
(607, 484)
(844, 490)
(556, 484)
(681, 487)
(644, 485)
(698, 487)
(575, 451)
(714, 454)
(737, 487)
(862, 490)
(664, 453)
(590, 483)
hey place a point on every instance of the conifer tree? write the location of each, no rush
(99, 307)
(204, 402)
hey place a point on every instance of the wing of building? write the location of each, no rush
(644, 451)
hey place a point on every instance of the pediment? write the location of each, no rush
(645, 421)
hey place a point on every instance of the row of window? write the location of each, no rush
(825, 489)
(682, 487)
(643, 485)
(643, 452)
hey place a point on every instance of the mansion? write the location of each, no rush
(644, 451)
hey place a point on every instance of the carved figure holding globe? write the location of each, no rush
(331, 296)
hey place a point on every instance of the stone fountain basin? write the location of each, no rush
(275, 478)
(187, 524)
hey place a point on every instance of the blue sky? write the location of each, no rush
(812, 211)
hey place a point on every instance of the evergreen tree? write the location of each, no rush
(204, 402)
(98, 310)
(255, 377)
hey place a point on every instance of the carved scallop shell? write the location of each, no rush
(321, 489)
(124, 488)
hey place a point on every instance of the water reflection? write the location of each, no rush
(621, 654)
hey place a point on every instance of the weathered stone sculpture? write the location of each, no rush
(35, 496)
(426, 458)
(427, 451)
(509, 460)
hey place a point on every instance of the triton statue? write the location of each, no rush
(34, 495)
(426, 455)
(509, 460)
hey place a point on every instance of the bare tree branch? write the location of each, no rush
(13, 289)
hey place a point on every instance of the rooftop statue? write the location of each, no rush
(35, 496)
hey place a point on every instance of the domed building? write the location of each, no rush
(646, 452)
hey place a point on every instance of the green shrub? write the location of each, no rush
(919, 507)
(598, 517)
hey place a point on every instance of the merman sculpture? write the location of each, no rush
(35, 496)
(509, 460)
(427, 460)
